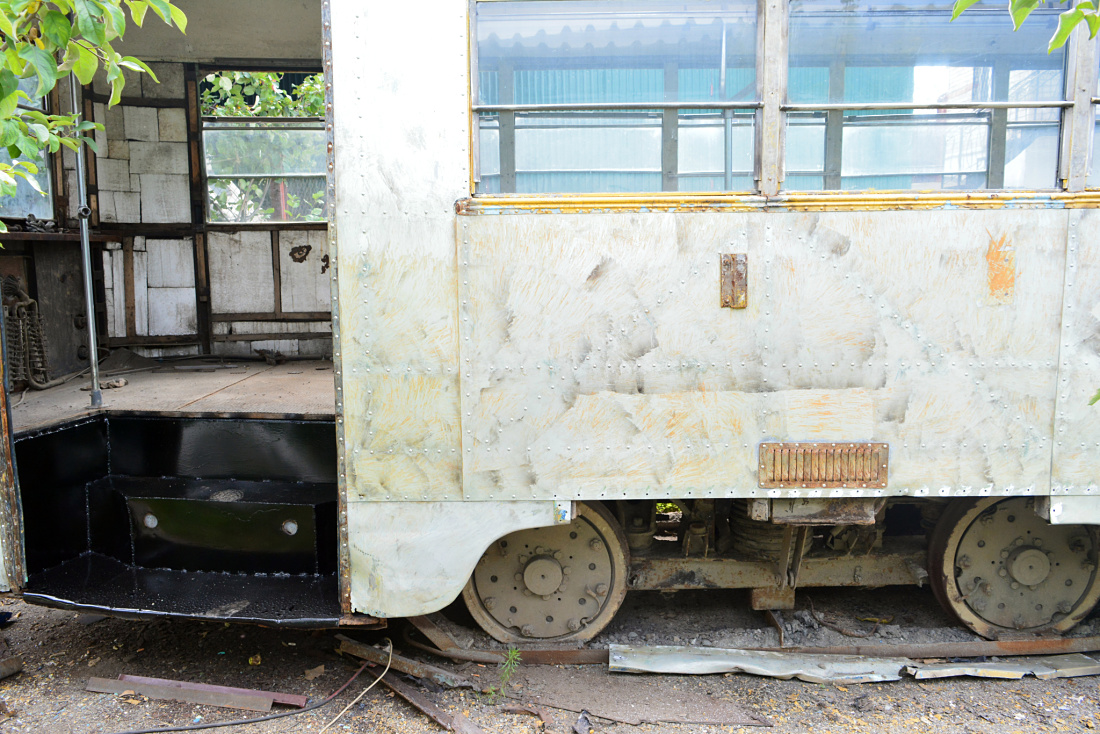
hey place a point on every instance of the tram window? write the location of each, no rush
(264, 146)
(604, 96)
(883, 53)
(27, 199)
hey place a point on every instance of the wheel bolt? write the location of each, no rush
(573, 625)
(1015, 585)
(595, 544)
(601, 589)
(1064, 607)
(490, 603)
(527, 631)
(1002, 572)
(964, 561)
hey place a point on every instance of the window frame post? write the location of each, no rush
(1078, 122)
(771, 80)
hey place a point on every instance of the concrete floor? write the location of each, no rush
(300, 388)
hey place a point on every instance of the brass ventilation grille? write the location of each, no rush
(824, 465)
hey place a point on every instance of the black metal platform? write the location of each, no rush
(198, 517)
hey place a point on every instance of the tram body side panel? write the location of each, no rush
(601, 364)
(1075, 481)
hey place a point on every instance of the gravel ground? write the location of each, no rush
(62, 650)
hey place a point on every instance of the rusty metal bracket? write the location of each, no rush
(734, 279)
(824, 465)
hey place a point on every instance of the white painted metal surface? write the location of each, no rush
(598, 363)
(398, 177)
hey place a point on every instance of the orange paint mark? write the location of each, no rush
(1000, 260)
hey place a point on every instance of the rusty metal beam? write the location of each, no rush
(890, 567)
(250, 701)
(288, 699)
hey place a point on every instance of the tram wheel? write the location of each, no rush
(1003, 570)
(559, 583)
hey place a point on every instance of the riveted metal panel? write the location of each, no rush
(598, 362)
(1076, 463)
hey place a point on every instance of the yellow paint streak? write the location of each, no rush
(808, 202)
(1000, 259)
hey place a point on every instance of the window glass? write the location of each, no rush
(264, 147)
(871, 51)
(600, 52)
(27, 200)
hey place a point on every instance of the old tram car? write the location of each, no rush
(643, 294)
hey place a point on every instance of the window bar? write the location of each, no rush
(670, 121)
(834, 128)
(506, 129)
(615, 106)
(727, 117)
(826, 106)
(998, 128)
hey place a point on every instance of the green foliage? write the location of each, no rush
(1084, 11)
(258, 169)
(46, 41)
(508, 666)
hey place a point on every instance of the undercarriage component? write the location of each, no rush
(561, 583)
(752, 538)
(1003, 570)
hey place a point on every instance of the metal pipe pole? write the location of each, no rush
(86, 251)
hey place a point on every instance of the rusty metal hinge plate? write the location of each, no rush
(734, 277)
(824, 465)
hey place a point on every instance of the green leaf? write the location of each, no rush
(6, 24)
(115, 20)
(138, 65)
(1095, 398)
(1067, 21)
(8, 106)
(161, 8)
(1019, 10)
(44, 66)
(13, 61)
(56, 27)
(88, 23)
(86, 64)
(117, 82)
(137, 10)
(91, 144)
(961, 5)
(179, 17)
(1093, 19)
(40, 132)
(9, 83)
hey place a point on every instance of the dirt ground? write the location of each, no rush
(62, 650)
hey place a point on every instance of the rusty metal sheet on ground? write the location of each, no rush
(702, 661)
(629, 700)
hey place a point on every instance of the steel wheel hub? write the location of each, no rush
(560, 582)
(1016, 571)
